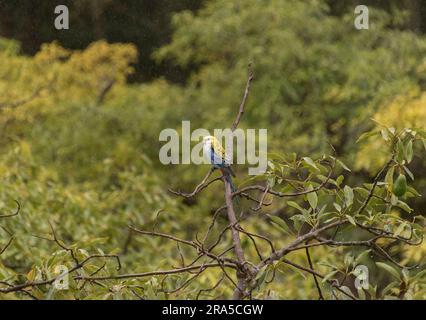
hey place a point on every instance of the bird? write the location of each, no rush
(215, 154)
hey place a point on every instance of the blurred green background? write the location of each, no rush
(89, 163)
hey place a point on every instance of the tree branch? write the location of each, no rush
(244, 100)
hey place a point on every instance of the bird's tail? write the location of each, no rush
(228, 177)
(228, 173)
(231, 172)
(236, 199)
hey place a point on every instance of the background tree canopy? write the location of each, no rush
(81, 111)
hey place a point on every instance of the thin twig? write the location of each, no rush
(308, 256)
(244, 100)
(13, 214)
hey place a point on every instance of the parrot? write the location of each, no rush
(215, 154)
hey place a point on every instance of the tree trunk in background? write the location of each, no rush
(417, 12)
(97, 8)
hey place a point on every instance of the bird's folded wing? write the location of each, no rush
(220, 152)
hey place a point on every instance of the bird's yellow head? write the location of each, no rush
(210, 140)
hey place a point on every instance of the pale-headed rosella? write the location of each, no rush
(216, 155)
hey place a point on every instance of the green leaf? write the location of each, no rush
(394, 200)
(260, 177)
(385, 134)
(280, 223)
(324, 179)
(307, 215)
(337, 206)
(413, 191)
(390, 286)
(339, 180)
(400, 229)
(310, 163)
(404, 206)
(410, 174)
(271, 181)
(349, 196)
(262, 272)
(349, 259)
(329, 275)
(391, 270)
(409, 151)
(405, 275)
(331, 219)
(295, 205)
(362, 191)
(343, 165)
(262, 275)
(298, 220)
(276, 156)
(372, 290)
(361, 294)
(389, 177)
(321, 212)
(420, 275)
(351, 219)
(361, 256)
(366, 135)
(312, 199)
(400, 151)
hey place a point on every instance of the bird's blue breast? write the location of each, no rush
(216, 160)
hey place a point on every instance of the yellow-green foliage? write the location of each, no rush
(56, 75)
(408, 110)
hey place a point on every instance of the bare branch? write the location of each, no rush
(243, 102)
(335, 285)
(107, 86)
(262, 199)
(164, 235)
(212, 288)
(6, 246)
(266, 189)
(375, 182)
(299, 240)
(308, 256)
(156, 273)
(200, 187)
(13, 214)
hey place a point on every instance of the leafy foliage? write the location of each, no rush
(79, 152)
